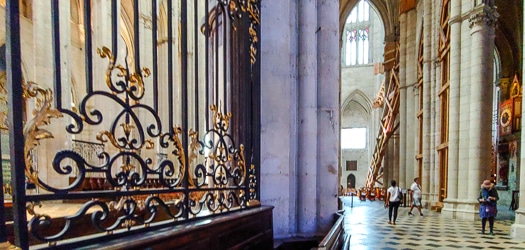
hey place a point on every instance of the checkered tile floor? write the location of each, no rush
(367, 224)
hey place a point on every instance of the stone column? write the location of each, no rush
(453, 139)
(402, 101)
(411, 111)
(279, 126)
(464, 109)
(482, 21)
(328, 127)
(307, 127)
(435, 85)
(427, 88)
(517, 230)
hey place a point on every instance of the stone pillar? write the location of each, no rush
(411, 111)
(299, 161)
(307, 127)
(427, 97)
(482, 21)
(279, 126)
(517, 230)
(454, 98)
(464, 104)
(435, 86)
(328, 85)
(402, 101)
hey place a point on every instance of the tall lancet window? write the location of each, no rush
(357, 35)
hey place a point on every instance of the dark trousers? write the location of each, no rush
(394, 205)
(484, 222)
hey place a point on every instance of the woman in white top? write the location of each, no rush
(393, 198)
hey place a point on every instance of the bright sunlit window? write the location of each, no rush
(357, 39)
(353, 138)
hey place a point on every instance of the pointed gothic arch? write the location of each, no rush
(358, 99)
(382, 10)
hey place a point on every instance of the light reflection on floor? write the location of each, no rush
(366, 221)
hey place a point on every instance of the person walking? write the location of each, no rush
(393, 198)
(488, 199)
(416, 197)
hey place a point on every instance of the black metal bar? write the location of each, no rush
(184, 90)
(88, 43)
(216, 59)
(57, 74)
(114, 28)
(82, 195)
(207, 62)
(88, 142)
(155, 55)
(225, 65)
(15, 107)
(136, 37)
(196, 60)
(243, 83)
(255, 99)
(170, 67)
(235, 57)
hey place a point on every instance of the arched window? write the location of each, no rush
(357, 29)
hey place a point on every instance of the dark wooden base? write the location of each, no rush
(248, 229)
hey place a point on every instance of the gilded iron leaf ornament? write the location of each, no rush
(33, 132)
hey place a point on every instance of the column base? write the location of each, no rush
(460, 209)
(517, 230)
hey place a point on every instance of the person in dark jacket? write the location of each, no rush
(488, 199)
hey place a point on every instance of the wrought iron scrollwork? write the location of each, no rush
(220, 179)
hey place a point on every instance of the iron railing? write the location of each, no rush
(171, 105)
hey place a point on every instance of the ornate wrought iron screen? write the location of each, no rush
(152, 119)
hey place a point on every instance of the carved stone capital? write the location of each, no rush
(483, 15)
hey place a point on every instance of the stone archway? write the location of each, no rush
(350, 181)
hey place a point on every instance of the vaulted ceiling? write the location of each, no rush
(509, 28)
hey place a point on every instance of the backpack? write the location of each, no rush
(399, 195)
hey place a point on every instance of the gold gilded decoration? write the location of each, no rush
(33, 132)
(7, 245)
(3, 101)
(220, 121)
(254, 13)
(236, 8)
(100, 137)
(254, 203)
(135, 78)
(193, 147)
(105, 52)
(242, 162)
(252, 179)
(515, 90)
(179, 151)
(30, 208)
(126, 167)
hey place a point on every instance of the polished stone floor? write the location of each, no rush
(366, 221)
